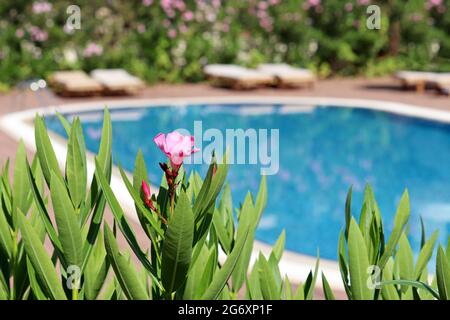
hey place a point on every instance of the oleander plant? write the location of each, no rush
(65, 235)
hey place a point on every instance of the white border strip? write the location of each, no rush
(19, 126)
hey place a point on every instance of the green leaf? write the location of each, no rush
(140, 205)
(278, 248)
(64, 122)
(34, 284)
(443, 274)
(76, 171)
(42, 264)
(269, 287)
(425, 255)
(177, 245)
(253, 284)
(309, 289)
(44, 149)
(122, 222)
(210, 189)
(21, 192)
(389, 291)
(195, 275)
(126, 275)
(401, 219)
(247, 224)
(222, 276)
(6, 240)
(40, 205)
(327, 289)
(348, 211)
(416, 284)
(404, 259)
(96, 270)
(358, 264)
(67, 222)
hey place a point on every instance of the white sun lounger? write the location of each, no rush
(417, 79)
(117, 81)
(442, 82)
(74, 83)
(288, 76)
(236, 77)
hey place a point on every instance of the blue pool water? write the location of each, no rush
(323, 151)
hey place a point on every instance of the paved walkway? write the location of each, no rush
(375, 89)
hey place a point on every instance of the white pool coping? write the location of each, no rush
(19, 125)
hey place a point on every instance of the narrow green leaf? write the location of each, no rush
(42, 264)
(126, 275)
(269, 287)
(278, 248)
(443, 274)
(177, 245)
(358, 263)
(222, 276)
(425, 255)
(44, 149)
(34, 284)
(67, 222)
(416, 284)
(40, 204)
(122, 222)
(401, 219)
(348, 211)
(76, 171)
(6, 240)
(21, 193)
(327, 289)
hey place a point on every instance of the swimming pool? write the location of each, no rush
(323, 150)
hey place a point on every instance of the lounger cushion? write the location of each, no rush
(116, 79)
(236, 72)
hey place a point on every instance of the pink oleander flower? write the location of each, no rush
(172, 33)
(430, 4)
(175, 146)
(348, 6)
(314, 3)
(37, 34)
(141, 28)
(20, 33)
(188, 16)
(147, 3)
(41, 7)
(147, 194)
(92, 49)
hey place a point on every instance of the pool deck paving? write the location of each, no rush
(380, 89)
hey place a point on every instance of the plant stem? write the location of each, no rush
(172, 201)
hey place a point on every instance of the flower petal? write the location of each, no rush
(160, 141)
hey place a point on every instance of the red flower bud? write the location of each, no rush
(147, 195)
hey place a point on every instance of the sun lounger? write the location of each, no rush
(117, 81)
(74, 83)
(416, 79)
(288, 76)
(442, 82)
(236, 77)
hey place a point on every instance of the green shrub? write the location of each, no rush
(173, 43)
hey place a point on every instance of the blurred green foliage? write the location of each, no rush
(171, 40)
